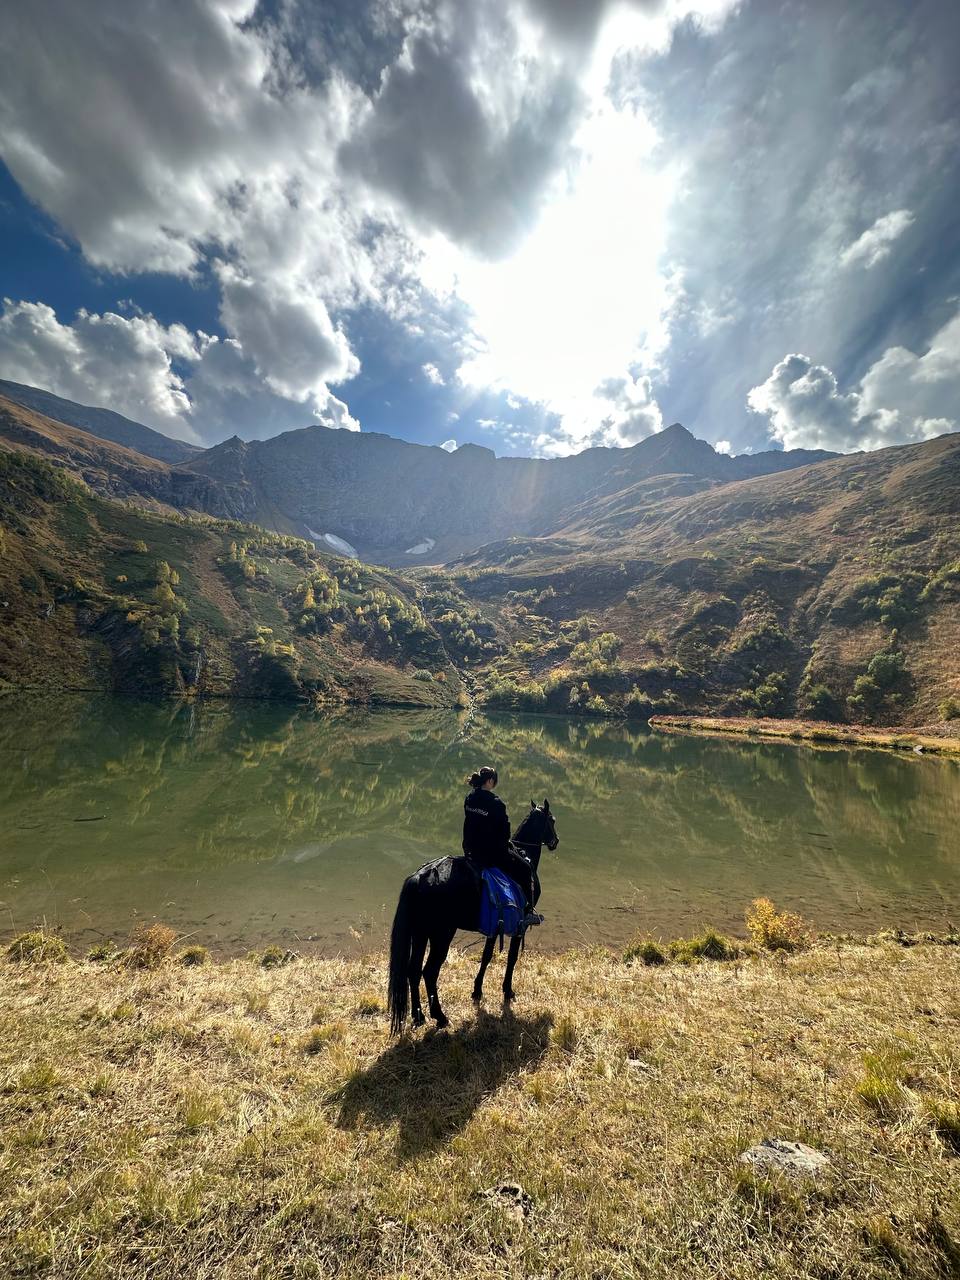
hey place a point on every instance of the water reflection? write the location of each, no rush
(244, 823)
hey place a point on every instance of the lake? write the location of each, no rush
(243, 824)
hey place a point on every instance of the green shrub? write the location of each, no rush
(768, 697)
(36, 946)
(102, 952)
(875, 687)
(194, 955)
(648, 951)
(949, 709)
(819, 701)
(709, 945)
(273, 957)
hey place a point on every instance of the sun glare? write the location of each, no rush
(583, 296)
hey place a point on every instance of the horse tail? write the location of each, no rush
(401, 942)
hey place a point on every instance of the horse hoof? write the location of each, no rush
(476, 997)
(509, 997)
(442, 1021)
(418, 1019)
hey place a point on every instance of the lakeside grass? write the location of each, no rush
(816, 731)
(235, 1120)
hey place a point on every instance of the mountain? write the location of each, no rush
(98, 594)
(831, 590)
(400, 503)
(112, 470)
(616, 581)
(103, 423)
(385, 500)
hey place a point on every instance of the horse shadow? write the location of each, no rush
(432, 1086)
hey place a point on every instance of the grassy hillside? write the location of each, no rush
(831, 591)
(828, 591)
(236, 1120)
(99, 595)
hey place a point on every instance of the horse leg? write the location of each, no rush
(512, 954)
(439, 946)
(414, 973)
(484, 961)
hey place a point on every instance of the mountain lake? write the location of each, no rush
(255, 823)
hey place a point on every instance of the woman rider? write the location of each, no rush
(486, 836)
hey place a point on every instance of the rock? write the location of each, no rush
(510, 1197)
(639, 1065)
(793, 1158)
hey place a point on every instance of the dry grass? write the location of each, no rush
(816, 731)
(153, 1127)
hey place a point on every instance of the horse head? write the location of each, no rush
(538, 827)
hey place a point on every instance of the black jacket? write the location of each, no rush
(486, 827)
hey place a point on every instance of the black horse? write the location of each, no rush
(435, 902)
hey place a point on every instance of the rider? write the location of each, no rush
(486, 836)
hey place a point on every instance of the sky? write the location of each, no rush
(535, 225)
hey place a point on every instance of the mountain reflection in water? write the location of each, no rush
(240, 824)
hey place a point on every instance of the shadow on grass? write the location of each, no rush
(433, 1085)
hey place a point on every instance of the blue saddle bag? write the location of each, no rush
(501, 905)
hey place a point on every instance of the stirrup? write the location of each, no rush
(532, 918)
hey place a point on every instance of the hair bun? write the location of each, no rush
(481, 776)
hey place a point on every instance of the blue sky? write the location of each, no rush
(529, 224)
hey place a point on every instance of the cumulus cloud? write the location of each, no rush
(902, 398)
(597, 192)
(433, 374)
(780, 170)
(723, 446)
(876, 242)
(130, 364)
(125, 364)
(632, 411)
(449, 445)
(286, 330)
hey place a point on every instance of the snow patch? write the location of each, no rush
(338, 544)
(421, 548)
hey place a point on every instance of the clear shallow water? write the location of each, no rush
(246, 824)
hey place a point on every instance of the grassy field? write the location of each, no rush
(236, 1120)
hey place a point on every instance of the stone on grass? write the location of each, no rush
(793, 1158)
(510, 1197)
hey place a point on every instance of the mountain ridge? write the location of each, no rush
(105, 423)
(385, 496)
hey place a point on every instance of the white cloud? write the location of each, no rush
(876, 242)
(449, 445)
(286, 331)
(484, 136)
(902, 398)
(129, 364)
(723, 446)
(433, 374)
(106, 360)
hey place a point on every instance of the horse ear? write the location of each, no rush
(546, 806)
(533, 804)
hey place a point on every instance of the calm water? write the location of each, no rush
(245, 824)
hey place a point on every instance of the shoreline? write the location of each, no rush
(819, 733)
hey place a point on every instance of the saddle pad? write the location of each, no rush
(501, 904)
